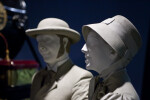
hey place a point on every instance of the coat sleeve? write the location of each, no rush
(81, 88)
(125, 91)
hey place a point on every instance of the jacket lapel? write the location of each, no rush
(62, 70)
(54, 86)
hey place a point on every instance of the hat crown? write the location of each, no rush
(127, 32)
(52, 22)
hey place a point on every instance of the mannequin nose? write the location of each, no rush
(84, 49)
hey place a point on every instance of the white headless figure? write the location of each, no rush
(61, 79)
(110, 46)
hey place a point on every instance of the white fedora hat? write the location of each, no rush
(118, 32)
(54, 26)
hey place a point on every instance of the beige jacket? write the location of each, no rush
(122, 87)
(74, 85)
(116, 87)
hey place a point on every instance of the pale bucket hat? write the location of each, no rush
(119, 33)
(54, 26)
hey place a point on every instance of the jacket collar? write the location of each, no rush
(63, 69)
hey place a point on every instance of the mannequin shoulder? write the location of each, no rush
(80, 71)
(127, 90)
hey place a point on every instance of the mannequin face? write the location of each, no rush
(99, 55)
(49, 46)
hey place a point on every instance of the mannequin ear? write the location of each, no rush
(65, 42)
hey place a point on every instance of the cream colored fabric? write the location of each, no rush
(120, 87)
(72, 86)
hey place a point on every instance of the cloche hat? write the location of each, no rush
(54, 26)
(119, 33)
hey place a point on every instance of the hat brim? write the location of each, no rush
(70, 33)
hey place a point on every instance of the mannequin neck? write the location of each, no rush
(54, 66)
(115, 67)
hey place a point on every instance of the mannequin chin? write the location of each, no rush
(49, 46)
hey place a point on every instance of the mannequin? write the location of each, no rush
(110, 46)
(59, 80)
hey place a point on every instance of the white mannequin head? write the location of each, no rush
(99, 55)
(50, 47)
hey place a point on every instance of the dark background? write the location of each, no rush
(81, 12)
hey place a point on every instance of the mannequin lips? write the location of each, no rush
(86, 61)
(87, 57)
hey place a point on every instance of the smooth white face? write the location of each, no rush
(49, 46)
(99, 55)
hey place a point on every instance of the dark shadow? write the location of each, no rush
(146, 79)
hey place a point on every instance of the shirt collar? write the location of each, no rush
(57, 65)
